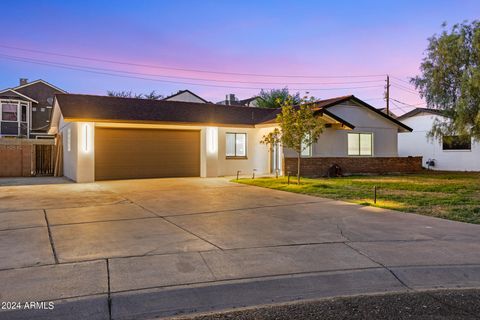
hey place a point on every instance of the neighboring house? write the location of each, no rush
(120, 138)
(185, 96)
(232, 100)
(448, 153)
(390, 113)
(26, 109)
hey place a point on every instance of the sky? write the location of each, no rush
(318, 48)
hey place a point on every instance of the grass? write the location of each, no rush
(454, 196)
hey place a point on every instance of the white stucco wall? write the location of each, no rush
(79, 165)
(257, 154)
(69, 155)
(416, 143)
(78, 162)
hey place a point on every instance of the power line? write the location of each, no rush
(56, 65)
(409, 105)
(185, 69)
(404, 89)
(187, 78)
(401, 80)
(397, 106)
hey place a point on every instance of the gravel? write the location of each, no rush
(440, 304)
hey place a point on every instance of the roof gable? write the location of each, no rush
(335, 101)
(183, 92)
(18, 94)
(418, 111)
(39, 81)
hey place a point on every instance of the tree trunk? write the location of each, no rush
(298, 168)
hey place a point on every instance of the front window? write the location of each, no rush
(9, 112)
(236, 145)
(360, 144)
(456, 143)
(306, 149)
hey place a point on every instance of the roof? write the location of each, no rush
(19, 94)
(416, 111)
(82, 107)
(103, 108)
(325, 104)
(185, 91)
(39, 81)
(390, 113)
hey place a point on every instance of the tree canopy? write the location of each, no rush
(450, 80)
(299, 128)
(129, 94)
(276, 98)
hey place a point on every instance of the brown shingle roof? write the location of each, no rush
(103, 108)
(421, 110)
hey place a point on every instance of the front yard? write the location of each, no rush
(454, 196)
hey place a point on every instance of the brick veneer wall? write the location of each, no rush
(16, 160)
(316, 167)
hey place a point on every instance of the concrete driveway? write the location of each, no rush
(138, 249)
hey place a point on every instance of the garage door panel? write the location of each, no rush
(146, 153)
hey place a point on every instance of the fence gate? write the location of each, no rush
(44, 160)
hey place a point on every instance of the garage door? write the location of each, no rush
(146, 153)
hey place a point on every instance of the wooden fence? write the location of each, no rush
(27, 157)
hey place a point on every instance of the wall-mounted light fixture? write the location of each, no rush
(212, 140)
(86, 138)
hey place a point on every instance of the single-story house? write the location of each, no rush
(119, 138)
(449, 153)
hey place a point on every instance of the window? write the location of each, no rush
(360, 144)
(456, 143)
(306, 150)
(24, 113)
(34, 108)
(42, 109)
(236, 145)
(9, 111)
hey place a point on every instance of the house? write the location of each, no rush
(390, 113)
(185, 96)
(449, 153)
(232, 100)
(119, 138)
(26, 109)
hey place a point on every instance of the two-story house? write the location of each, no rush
(25, 110)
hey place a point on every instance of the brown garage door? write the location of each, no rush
(146, 153)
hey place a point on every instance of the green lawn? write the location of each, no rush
(454, 196)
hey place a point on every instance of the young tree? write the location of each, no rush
(275, 98)
(299, 128)
(450, 80)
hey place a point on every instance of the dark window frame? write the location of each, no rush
(235, 145)
(465, 145)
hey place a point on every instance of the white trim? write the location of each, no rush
(42, 81)
(21, 95)
(372, 154)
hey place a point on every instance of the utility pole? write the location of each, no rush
(387, 95)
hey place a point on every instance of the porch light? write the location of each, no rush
(212, 140)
